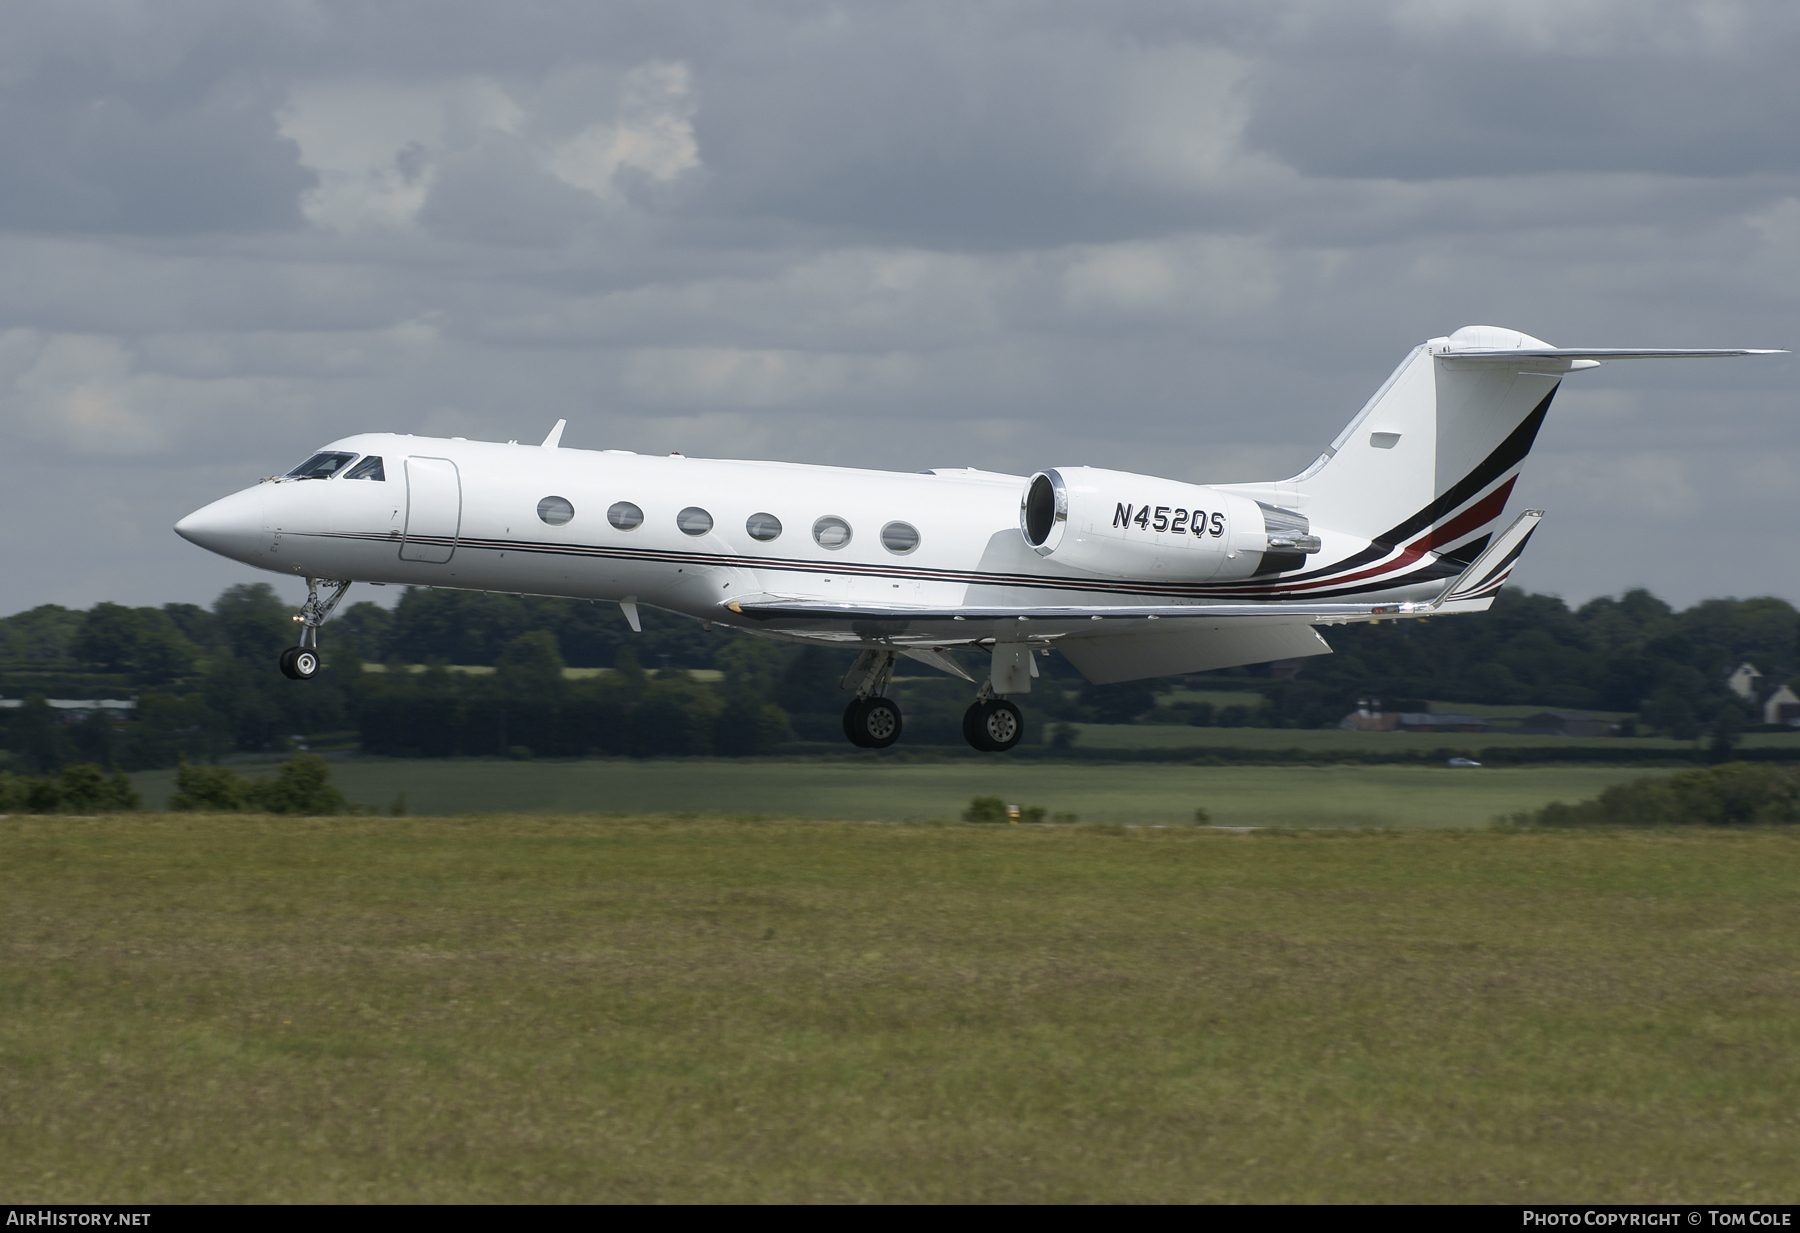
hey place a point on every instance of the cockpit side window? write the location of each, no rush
(369, 469)
(321, 466)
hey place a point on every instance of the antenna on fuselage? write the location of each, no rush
(555, 437)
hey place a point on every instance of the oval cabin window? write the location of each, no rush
(625, 516)
(899, 538)
(694, 521)
(831, 532)
(555, 510)
(763, 527)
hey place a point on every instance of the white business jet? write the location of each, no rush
(1128, 576)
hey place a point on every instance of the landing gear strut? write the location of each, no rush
(871, 721)
(992, 724)
(301, 663)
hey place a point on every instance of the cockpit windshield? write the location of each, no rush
(369, 469)
(321, 466)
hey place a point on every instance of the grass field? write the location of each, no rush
(1295, 796)
(546, 1009)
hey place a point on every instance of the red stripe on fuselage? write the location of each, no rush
(1483, 511)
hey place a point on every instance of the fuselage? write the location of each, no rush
(685, 534)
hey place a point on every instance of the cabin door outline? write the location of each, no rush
(433, 510)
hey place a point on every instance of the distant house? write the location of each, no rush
(1772, 703)
(1782, 707)
(1565, 723)
(1744, 681)
(1369, 717)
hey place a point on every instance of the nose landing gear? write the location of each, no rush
(301, 663)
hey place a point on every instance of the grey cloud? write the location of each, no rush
(90, 160)
(149, 120)
(1165, 237)
(1374, 91)
(499, 193)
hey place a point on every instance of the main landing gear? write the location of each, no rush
(991, 724)
(871, 721)
(301, 663)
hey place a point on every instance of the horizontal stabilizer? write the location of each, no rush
(1606, 353)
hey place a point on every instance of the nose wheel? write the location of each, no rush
(993, 725)
(300, 663)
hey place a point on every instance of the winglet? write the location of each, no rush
(1488, 572)
(628, 606)
(555, 438)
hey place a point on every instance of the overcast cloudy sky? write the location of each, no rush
(1182, 238)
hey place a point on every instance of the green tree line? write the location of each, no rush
(1734, 794)
(1632, 654)
(207, 685)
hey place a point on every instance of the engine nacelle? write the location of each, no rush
(1122, 525)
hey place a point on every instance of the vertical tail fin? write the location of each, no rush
(1418, 481)
(1428, 464)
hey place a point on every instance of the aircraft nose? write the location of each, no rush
(231, 526)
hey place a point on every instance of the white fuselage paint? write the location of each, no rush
(464, 514)
(1403, 515)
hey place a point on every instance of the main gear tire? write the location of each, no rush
(878, 723)
(872, 723)
(971, 727)
(999, 725)
(853, 723)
